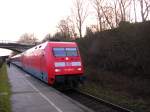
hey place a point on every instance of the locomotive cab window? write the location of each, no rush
(59, 52)
(65, 52)
(71, 51)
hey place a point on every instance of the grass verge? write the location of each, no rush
(116, 97)
(5, 105)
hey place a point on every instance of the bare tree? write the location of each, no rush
(80, 14)
(63, 27)
(28, 39)
(67, 28)
(108, 13)
(123, 6)
(48, 37)
(145, 9)
(117, 15)
(135, 16)
(115, 12)
(97, 4)
(91, 30)
(72, 31)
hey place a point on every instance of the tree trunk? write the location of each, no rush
(135, 18)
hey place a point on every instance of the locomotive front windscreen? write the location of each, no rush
(65, 51)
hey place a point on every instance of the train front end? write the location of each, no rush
(68, 68)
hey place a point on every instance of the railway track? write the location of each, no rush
(94, 103)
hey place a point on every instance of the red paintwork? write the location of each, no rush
(41, 58)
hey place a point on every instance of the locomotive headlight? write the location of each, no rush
(79, 69)
(67, 58)
(59, 64)
(57, 70)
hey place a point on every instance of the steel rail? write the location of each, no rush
(107, 103)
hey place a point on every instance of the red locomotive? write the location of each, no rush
(53, 62)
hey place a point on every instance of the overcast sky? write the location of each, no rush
(31, 16)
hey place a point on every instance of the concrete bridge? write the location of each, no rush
(14, 46)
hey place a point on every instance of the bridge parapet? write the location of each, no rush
(14, 42)
(15, 46)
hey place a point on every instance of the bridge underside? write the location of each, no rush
(15, 47)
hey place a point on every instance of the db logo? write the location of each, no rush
(68, 63)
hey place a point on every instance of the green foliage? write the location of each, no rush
(5, 105)
(1, 63)
(123, 50)
(119, 60)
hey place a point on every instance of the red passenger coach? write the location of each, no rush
(53, 62)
